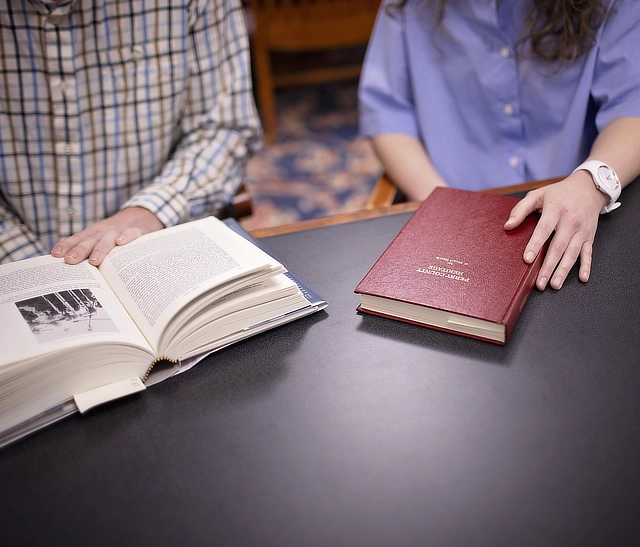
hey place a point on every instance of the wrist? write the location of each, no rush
(605, 180)
(589, 188)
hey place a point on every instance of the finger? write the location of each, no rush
(100, 251)
(66, 246)
(108, 242)
(586, 256)
(81, 251)
(94, 246)
(555, 252)
(541, 234)
(128, 235)
(527, 205)
(62, 248)
(569, 258)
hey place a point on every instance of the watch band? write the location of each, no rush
(606, 180)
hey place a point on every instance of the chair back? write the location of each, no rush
(299, 26)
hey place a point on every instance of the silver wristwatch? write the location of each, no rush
(606, 180)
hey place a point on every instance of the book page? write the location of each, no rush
(238, 311)
(47, 305)
(160, 273)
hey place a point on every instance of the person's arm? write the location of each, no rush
(387, 112)
(17, 242)
(407, 164)
(221, 130)
(572, 206)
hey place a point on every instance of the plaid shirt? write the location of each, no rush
(106, 104)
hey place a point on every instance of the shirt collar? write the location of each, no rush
(50, 6)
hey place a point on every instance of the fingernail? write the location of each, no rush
(95, 256)
(542, 283)
(72, 255)
(56, 250)
(121, 239)
(509, 220)
(557, 282)
(529, 256)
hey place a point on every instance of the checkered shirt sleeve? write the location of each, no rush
(118, 103)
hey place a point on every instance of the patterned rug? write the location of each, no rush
(319, 166)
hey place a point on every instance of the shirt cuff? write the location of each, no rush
(169, 205)
(18, 243)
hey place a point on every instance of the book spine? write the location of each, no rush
(522, 293)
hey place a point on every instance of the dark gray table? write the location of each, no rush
(348, 430)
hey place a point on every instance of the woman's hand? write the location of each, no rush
(570, 208)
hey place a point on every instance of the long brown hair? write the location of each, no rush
(558, 30)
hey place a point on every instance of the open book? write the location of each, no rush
(73, 337)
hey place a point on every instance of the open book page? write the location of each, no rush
(316, 302)
(238, 312)
(191, 264)
(62, 332)
(47, 306)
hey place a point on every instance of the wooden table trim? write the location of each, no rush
(340, 218)
(363, 214)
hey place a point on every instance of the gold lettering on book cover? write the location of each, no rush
(452, 261)
(446, 273)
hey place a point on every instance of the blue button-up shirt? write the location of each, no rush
(488, 116)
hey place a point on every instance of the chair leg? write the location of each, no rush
(240, 206)
(265, 91)
(383, 193)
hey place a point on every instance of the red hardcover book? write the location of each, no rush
(453, 267)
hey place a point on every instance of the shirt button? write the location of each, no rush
(137, 53)
(71, 212)
(513, 162)
(68, 148)
(504, 52)
(507, 109)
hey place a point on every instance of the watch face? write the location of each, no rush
(608, 177)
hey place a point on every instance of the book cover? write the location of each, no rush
(453, 267)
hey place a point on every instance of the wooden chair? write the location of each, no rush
(304, 26)
(385, 192)
(240, 206)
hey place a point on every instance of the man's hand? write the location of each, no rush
(95, 241)
(571, 208)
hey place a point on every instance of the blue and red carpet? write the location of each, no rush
(319, 166)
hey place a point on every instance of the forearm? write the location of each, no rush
(407, 163)
(220, 124)
(201, 177)
(618, 145)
